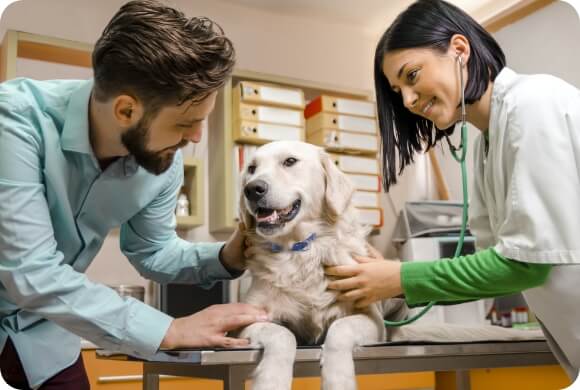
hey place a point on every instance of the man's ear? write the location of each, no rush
(339, 190)
(127, 110)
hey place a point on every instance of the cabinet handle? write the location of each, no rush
(130, 378)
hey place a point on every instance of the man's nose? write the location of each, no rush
(255, 190)
(193, 134)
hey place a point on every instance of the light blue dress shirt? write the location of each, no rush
(56, 208)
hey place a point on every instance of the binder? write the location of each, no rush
(268, 94)
(343, 141)
(356, 164)
(366, 199)
(370, 216)
(257, 113)
(365, 182)
(260, 133)
(350, 123)
(337, 105)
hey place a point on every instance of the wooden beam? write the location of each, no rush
(514, 13)
(50, 53)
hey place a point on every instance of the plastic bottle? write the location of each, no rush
(182, 209)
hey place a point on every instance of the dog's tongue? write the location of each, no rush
(268, 218)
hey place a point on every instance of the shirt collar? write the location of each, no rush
(502, 82)
(75, 133)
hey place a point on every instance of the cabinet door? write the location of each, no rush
(119, 375)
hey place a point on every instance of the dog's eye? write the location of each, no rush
(251, 169)
(289, 162)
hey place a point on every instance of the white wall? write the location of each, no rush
(547, 41)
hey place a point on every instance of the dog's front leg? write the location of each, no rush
(275, 370)
(343, 336)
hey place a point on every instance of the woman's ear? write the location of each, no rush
(459, 47)
(339, 190)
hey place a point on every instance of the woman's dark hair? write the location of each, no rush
(159, 56)
(427, 24)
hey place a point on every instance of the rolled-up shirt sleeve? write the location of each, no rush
(33, 274)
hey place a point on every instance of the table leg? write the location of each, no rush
(462, 380)
(452, 380)
(236, 376)
(150, 380)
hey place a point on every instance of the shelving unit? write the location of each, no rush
(56, 52)
(18, 44)
(222, 218)
(193, 181)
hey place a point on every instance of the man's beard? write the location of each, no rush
(135, 141)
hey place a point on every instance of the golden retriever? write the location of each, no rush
(296, 205)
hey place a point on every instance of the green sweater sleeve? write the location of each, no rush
(483, 274)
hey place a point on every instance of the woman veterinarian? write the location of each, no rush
(525, 207)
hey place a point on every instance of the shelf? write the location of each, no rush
(18, 44)
(221, 144)
(193, 183)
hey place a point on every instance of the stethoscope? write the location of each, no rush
(461, 160)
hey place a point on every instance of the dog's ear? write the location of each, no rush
(339, 189)
(244, 215)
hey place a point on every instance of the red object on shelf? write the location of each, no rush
(313, 108)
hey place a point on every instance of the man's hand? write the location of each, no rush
(208, 328)
(232, 253)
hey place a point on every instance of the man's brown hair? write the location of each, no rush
(159, 56)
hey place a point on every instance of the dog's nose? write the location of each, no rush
(256, 190)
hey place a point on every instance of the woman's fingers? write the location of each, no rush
(344, 284)
(363, 259)
(342, 270)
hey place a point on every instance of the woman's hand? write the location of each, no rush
(371, 280)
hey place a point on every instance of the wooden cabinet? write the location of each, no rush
(119, 375)
(193, 185)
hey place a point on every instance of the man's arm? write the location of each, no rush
(32, 270)
(151, 244)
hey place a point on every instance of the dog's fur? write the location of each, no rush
(292, 285)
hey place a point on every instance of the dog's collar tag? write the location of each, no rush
(299, 246)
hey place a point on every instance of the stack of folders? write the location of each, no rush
(347, 128)
(266, 112)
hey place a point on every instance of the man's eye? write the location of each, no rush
(289, 161)
(251, 169)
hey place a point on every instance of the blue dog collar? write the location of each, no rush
(300, 246)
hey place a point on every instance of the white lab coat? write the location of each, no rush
(526, 200)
